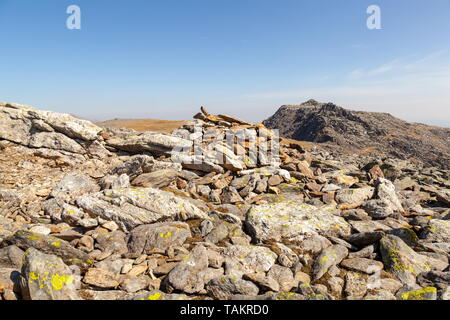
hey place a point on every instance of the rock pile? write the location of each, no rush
(220, 209)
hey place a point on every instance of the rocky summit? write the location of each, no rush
(221, 209)
(348, 131)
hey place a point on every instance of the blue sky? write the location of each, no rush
(166, 58)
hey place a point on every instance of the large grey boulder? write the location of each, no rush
(132, 207)
(55, 141)
(292, 221)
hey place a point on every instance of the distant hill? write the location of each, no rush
(141, 125)
(363, 132)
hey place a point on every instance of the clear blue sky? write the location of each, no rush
(166, 58)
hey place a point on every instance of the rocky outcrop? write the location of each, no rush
(368, 132)
(105, 214)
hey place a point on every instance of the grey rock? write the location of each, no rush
(385, 190)
(73, 186)
(47, 278)
(404, 262)
(156, 179)
(133, 284)
(286, 256)
(437, 231)
(55, 141)
(51, 245)
(223, 288)
(11, 257)
(329, 257)
(132, 207)
(352, 196)
(248, 259)
(147, 141)
(184, 277)
(145, 238)
(284, 277)
(293, 221)
(365, 238)
(378, 209)
(264, 283)
(355, 284)
(362, 265)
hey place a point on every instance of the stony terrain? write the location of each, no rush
(363, 132)
(108, 214)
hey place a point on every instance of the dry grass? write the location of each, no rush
(141, 125)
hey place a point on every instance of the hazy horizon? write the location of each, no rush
(165, 59)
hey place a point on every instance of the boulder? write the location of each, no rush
(241, 259)
(403, 262)
(354, 196)
(292, 221)
(157, 179)
(145, 238)
(225, 287)
(46, 277)
(73, 186)
(133, 207)
(185, 276)
(329, 257)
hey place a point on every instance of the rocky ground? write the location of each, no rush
(373, 133)
(108, 214)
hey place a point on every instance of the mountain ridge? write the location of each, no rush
(338, 128)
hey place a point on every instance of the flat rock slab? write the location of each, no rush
(51, 245)
(292, 221)
(132, 207)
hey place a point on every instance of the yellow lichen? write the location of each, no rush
(155, 296)
(58, 282)
(34, 276)
(418, 294)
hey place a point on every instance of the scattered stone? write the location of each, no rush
(329, 257)
(223, 288)
(101, 278)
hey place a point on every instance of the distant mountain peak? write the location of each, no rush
(357, 131)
